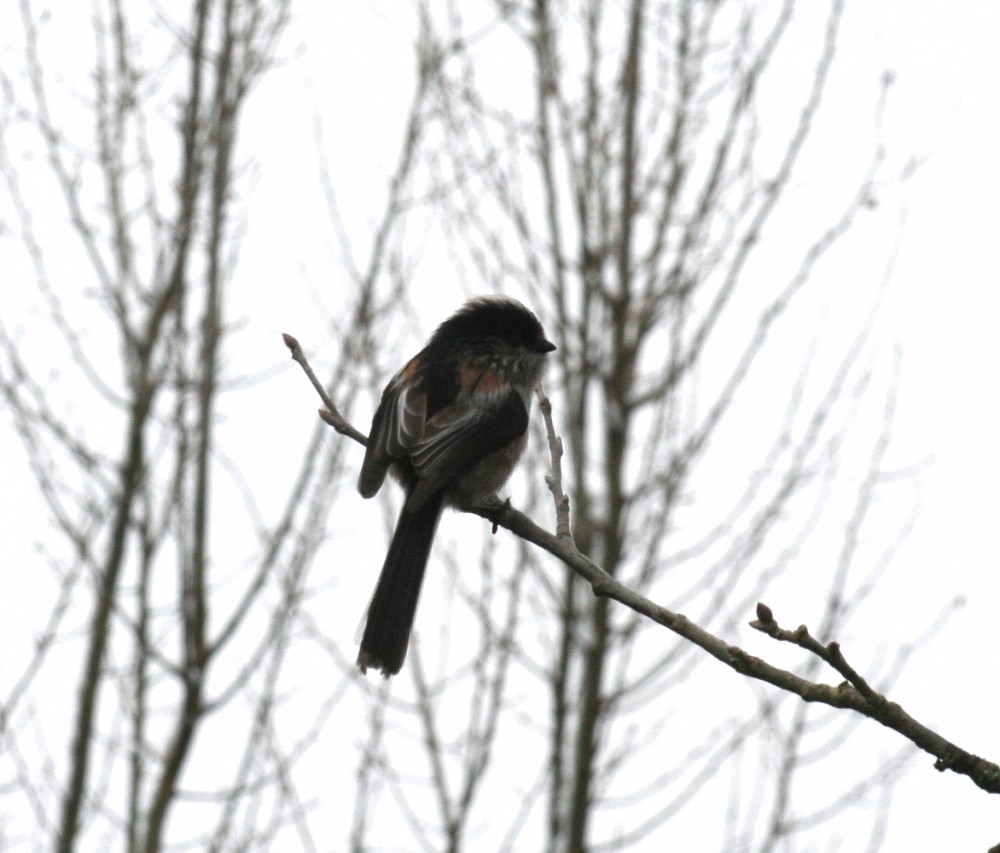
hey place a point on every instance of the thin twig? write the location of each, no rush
(330, 414)
(854, 694)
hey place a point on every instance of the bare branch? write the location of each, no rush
(855, 694)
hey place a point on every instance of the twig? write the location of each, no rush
(854, 693)
(554, 479)
(868, 701)
(331, 414)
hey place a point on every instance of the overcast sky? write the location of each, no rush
(941, 311)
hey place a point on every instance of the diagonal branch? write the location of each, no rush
(854, 693)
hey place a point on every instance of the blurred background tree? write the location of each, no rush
(639, 198)
(632, 172)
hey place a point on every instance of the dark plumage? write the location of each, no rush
(451, 426)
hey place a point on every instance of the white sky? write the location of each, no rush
(942, 309)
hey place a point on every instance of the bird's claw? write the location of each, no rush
(494, 504)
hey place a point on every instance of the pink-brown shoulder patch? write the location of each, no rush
(411, 368)
(482, 380)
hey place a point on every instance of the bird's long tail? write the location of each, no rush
(394, 602)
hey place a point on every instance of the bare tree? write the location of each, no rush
(634, 196)
(179, 682)
(635, 201)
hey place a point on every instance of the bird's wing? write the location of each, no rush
(397, 427)
(459, 436)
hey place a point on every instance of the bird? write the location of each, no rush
(450, 427)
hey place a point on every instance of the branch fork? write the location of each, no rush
(854, 692)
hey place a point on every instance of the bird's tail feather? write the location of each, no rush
(394, 602)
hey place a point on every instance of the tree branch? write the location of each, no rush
(854, 693)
